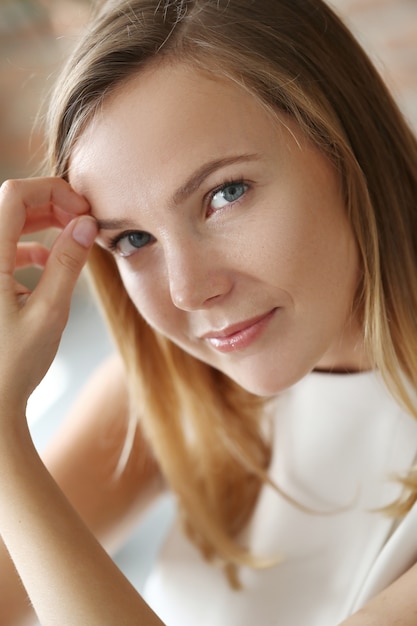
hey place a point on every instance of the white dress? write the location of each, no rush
(338, 440)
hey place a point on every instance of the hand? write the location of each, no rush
(31, 323)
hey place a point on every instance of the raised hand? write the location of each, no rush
(69, 577)
(31, 323)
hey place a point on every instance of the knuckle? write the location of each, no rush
(10, 187)
(68, 262)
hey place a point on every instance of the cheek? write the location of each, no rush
(143, 292)
(150, 297)
(286, 248)
(332, 277)
(312, 254)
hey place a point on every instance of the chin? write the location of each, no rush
(268, 384)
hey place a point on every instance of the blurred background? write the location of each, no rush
(35, 38)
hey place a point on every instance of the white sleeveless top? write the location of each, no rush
(337, 441)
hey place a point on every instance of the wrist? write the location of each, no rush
(14, 431)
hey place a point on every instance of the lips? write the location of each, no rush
(241, 335)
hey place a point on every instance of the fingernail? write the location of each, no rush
(85, 231)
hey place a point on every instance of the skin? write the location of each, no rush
(32, 323)
(82, 458)
(285, 244)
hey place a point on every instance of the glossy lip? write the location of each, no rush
(239, 336)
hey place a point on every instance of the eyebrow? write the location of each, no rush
(199, 176)
(191, 185)
(116, 224)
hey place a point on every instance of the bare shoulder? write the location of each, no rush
(397, 604)
(86, 457)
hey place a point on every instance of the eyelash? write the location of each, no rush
(114, 241)
(113, 244)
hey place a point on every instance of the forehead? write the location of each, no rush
(165, 122)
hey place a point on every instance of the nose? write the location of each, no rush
(198, 275)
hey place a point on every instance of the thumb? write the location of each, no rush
(84, 231)
(66, 260)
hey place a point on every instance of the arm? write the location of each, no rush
(82, 458)
(395, 605)
(69, 577)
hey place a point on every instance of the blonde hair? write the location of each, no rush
(294, 56)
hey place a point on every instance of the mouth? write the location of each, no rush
(241, 335)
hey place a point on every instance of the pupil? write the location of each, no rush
(232, 192)
(137, 239)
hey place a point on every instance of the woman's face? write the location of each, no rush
(228, 227)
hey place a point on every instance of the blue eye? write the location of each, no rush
(127, 244)
(229, 193)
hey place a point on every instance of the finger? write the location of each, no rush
(31, 254)
(34, 204)
(66, 260)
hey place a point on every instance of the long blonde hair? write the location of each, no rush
(294, 56)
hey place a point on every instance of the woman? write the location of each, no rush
(251, 187)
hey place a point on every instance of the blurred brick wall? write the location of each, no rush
(35, 36)
(388, 31)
